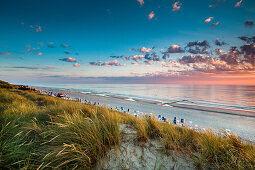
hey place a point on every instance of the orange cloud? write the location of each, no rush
(151, 15)
(208, 20)
(176, 6)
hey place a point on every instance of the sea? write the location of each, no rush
(222, 96)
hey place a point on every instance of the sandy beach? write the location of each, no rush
(240, 122)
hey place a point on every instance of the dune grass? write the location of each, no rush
(41, 132)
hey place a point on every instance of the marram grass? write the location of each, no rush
(42, 132)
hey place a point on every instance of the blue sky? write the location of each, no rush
(92, 31)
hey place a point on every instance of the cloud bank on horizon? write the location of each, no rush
(137, 42)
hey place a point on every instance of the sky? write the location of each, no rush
(128, 41)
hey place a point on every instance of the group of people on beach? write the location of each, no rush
(136, 113)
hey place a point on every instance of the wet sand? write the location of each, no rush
(240, 122)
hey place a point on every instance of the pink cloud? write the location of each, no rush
(64, 45)
(151, 15)
(68, 59)
(215, 24)
(38, 28)
(135, 64)
(208, 20)
(5, 53)
(177, 6)
(76, 65)
(28, 48)
(238, 4)
(40, 43)
(141, 2)
(40, 53)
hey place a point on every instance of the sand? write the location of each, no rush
(240, 122)
(131, 154)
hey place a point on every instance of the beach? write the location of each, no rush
(239, 122)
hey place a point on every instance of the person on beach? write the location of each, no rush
(175, 120)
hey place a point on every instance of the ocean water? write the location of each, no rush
(225, 96)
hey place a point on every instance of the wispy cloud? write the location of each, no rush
(32, 67)
(106, 63)
(215, 24)
(208, 20)
(68, 59)
(64, 45)
(141, 2)
(51, 45)
(238, 4)
(177, 6)
(2, 53)
(38, 28)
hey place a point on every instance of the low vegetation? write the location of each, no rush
(41, 132)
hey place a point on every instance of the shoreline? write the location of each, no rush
(237, 122)
(219, 110)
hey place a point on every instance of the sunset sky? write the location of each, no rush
(127, 41)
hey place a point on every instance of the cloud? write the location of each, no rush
(151, 15)
(1, 53)
(76, 65)
(248, 50)
(194, 59)
(95, 63)
(163, 64)
(216, 5)
(219, 51)
(135, 64)
(249, 23)
(198, 47)
(177, 6)
(208, 20)
(106, 63)
(248, 40)
(218, 43)
(51, 45)
(28, 48)
(141, 2)
(68, 59)
(116, 56)
(29, 68)
(215, 24)
(68, 52)
(230, 58)
(40, 43)
(32, 68)
(39, 53)
(147, 62)
(64, 45)
(145, 50)
(135, 57)
(175, 49)
(38, 28)
(238, 4)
